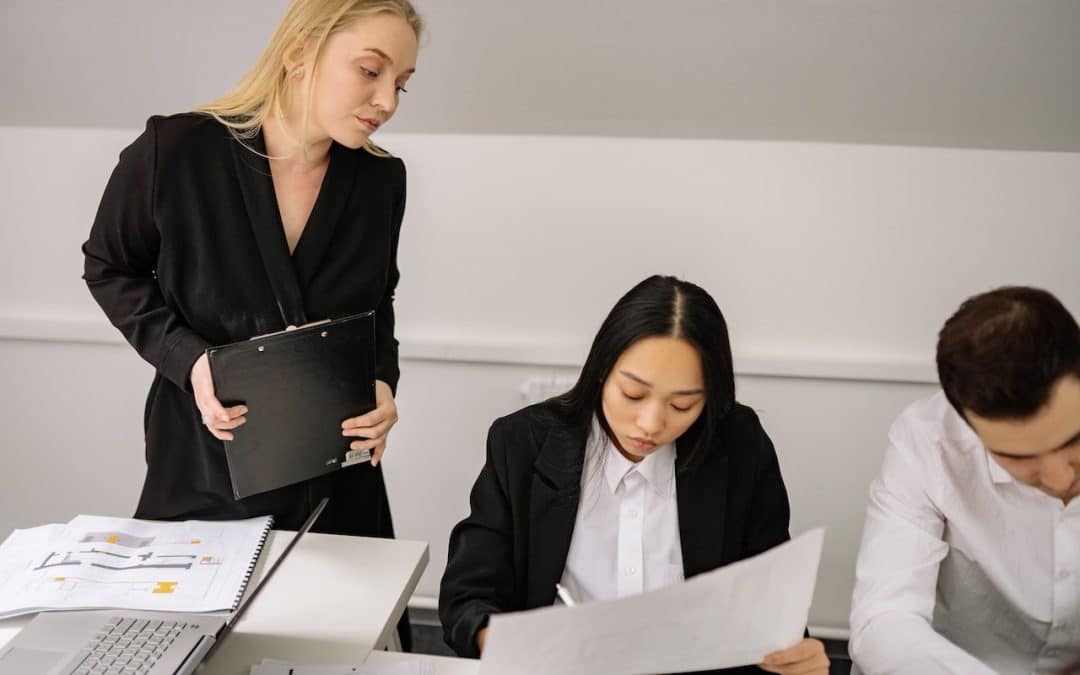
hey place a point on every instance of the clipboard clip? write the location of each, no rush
(289, 329)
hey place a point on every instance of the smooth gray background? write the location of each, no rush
(957, 73)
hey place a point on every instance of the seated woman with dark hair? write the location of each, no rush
(645, 473)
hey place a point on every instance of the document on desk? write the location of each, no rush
(94, 562)
(274, 667)
(729, 617)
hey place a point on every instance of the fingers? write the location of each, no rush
(224, 417)
(202, 385)
(371, 429)
(377, 446)
(808, 656)
(228, 426)
(385, 410)
(367, 420)
(372, 432)
(377, 452)
(220, 420)
(802, 650)
(220, 435)
(816, 666)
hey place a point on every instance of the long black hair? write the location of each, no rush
(659, 306)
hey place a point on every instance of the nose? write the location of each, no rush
(1057, 475)
(651, 419)
(385, 98)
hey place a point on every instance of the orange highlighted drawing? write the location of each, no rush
(59, 579)
(165, 587)
(196, 541)
(113, 538)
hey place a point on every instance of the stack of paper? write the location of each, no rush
(729, 617)
(105, 563)
(273, 667)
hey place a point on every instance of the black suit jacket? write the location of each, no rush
(510, 551)
(186, 252)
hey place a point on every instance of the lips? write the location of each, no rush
(369, 122)
(641, 444)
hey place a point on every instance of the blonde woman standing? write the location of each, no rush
(275, 188)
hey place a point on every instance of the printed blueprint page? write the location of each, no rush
(102, 563)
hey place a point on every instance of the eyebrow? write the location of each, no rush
(1011, 455)
(684, 392)
(386, 57)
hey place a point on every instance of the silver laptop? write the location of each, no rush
(121, 642)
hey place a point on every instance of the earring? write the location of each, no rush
(297, 72)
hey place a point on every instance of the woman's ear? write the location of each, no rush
(293, 58)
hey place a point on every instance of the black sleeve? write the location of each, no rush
(768, 517)
(120, 261)
(386, 345)
(479, 577)
(769, 514)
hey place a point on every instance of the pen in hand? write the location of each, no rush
(564, 595)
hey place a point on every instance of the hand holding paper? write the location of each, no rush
(732, 616)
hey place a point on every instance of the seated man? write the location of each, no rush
(970, 558)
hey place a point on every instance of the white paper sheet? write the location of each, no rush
(94, 562)
(273, 667)
(732, 616)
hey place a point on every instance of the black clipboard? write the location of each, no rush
(299, 386)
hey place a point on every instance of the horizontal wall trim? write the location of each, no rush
(517, 351)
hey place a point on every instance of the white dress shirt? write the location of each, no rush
(962, 569)
(626, 532)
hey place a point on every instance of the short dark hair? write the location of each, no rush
(1000, 354)
(659, 306)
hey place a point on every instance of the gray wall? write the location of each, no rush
(954, 73)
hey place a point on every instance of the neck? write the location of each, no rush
(285, 150)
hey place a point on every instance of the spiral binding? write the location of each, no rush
(251, 565)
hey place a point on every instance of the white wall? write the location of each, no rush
(834, 264)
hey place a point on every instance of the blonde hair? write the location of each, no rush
(310, 23)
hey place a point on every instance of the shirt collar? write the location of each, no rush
(658, 469)
(959, 433)
(997, 473)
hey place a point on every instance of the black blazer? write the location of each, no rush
(511, 550)
(186, 251)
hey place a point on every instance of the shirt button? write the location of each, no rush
(631, 571)
(1063, 575)
(632, 513)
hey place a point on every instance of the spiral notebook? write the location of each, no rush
(299, 386)
(136, 642)
(95, 562)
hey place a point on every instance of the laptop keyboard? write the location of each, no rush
(127, 646)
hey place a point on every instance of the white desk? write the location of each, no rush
(335, 599)
(443, 665)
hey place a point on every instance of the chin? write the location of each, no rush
(351, 138)
(351, 142)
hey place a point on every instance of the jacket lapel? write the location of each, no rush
(257, 187)
(702, 511)
(327, 212)
(556, 490)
